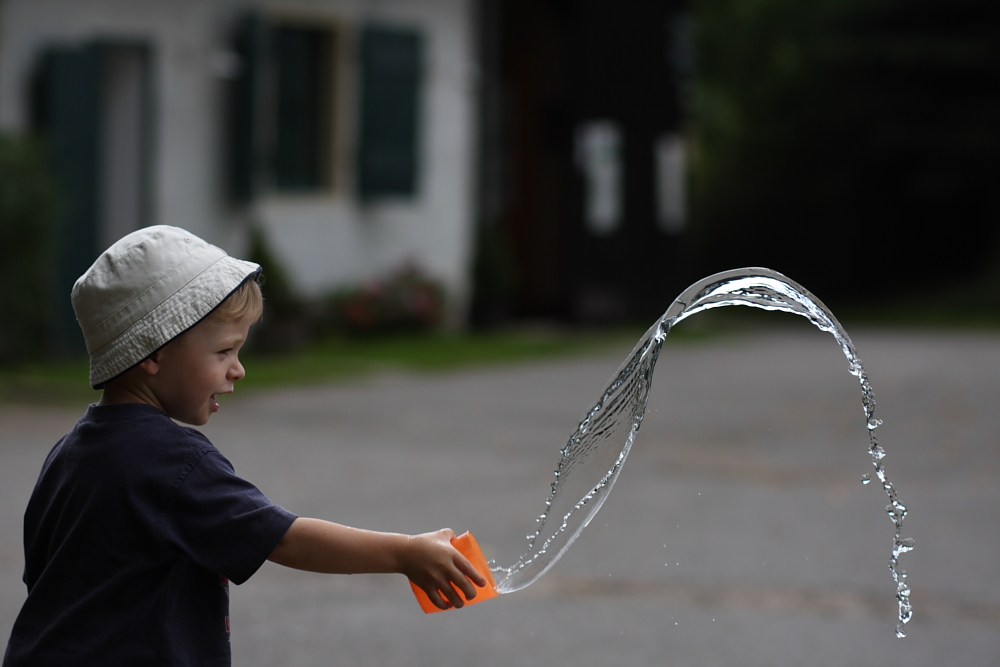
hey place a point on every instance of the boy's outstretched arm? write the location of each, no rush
(429, 560)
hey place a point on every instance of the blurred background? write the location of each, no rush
(404, 165)
(482, 167)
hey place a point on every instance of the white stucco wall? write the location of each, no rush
(325, 239)
(337, 238)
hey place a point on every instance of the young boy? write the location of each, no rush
(136, 524)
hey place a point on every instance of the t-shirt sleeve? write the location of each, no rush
(222, 522)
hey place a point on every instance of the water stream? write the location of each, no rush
(592, 459)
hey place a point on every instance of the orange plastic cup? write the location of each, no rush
(468, 547)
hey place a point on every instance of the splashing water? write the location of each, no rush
(590, 462)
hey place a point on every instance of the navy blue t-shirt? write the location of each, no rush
(132, 534)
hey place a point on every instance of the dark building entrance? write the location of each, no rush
(92, 105)
(583, 211)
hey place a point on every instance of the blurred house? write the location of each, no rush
(529, 154)
(343, 129)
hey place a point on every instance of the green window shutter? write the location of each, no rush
(391, 71)
(68, 98)
(302, 58)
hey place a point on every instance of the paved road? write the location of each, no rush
(739, 532)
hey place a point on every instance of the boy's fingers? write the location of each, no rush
(453, 597)
(474, 574)
(466, 567)
(467, 588)
(462, 583)
(437, 595)
(439, 602)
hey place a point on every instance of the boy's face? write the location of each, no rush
(196, 367)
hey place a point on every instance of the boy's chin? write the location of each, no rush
(191, 420)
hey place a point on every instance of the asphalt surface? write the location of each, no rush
(739, 532)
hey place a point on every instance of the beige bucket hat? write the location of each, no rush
(145, 290)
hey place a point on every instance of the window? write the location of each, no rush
(283, 100)
(282, 106)
(303, 72)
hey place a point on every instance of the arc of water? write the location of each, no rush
(592, 459)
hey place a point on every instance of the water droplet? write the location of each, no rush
(902, 546)
(866, 478)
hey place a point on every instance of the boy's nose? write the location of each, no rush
(237, 372)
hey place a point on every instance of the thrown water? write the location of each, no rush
(592, 459)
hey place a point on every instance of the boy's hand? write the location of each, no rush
(432, 563)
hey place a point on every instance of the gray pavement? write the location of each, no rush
(739, 532)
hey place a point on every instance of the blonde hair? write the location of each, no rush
(246, 303)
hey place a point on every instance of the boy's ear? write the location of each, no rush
(151, 364)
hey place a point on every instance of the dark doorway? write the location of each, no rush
(92, 106)
(582, 200)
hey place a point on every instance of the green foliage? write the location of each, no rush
(494, 278)
(835, 131)
(276, 287)
(27, 210)
(406, 300)
(285, 325)
(341, 358)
